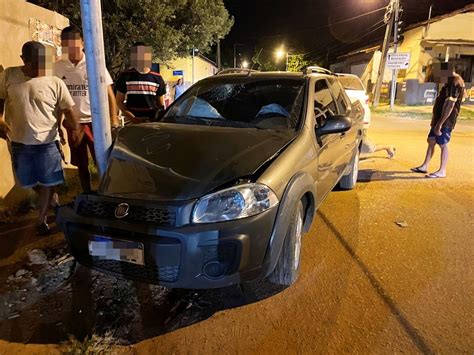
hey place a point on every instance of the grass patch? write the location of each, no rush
(417, 112)
(466, 114)
(93, 345)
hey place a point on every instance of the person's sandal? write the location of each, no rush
(418, 170)
(42, 229)
(435, 176)
(391, 154)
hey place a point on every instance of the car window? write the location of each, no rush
(351, 83)
(346, 98)
(241, 103)
(339, 96)
(324, 105)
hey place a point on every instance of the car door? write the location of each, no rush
(329, 146)
(348, 139)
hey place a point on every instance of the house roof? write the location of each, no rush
(373, 46)
(468, 8)
(206, 59)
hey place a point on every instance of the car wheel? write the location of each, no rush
(348, 182)
(288, 266)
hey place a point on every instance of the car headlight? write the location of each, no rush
(234, 203)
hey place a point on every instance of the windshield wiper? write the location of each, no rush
(185, 119)
(212, 122)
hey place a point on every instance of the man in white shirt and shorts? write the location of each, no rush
(31, 98)
(72, 70)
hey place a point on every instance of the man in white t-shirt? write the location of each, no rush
(31, 98)
(72, 70)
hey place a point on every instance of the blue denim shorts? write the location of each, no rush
(37, 164)
(444, 138)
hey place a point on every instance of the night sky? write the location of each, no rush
(318, 28)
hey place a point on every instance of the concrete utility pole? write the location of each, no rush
(395, 47)
(91, 14)
(219, 64)
(235, 53)
(389, 15)
(193, 65)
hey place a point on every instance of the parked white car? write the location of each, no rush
(356, 91)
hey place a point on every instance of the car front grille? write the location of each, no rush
(149, 273)
(137, 213)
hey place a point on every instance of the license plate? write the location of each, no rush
(104, 248)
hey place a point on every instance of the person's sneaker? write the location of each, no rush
(42, 229)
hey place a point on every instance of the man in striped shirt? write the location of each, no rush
(139, 90)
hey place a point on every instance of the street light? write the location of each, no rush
(245, 64)
(280, 53)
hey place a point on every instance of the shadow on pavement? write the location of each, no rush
(90, 302)
(369, 175)
(412, 332)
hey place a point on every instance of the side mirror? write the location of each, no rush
(335, 124)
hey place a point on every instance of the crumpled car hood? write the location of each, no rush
(182, 162)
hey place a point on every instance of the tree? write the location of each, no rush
(264, 60)
(297, 63)
(171, 27)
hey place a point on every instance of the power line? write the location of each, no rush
(320, 27)
(358, 16)
(335, 45)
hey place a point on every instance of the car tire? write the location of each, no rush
(288, 266)
(349, 181)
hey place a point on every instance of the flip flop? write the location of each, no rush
(391, 155)
(434, 176)
(418, 170)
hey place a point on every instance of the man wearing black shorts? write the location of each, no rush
(445, 113)
(140, 90)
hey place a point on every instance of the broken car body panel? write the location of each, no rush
(181, 162)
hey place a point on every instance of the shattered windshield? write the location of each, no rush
(258, 103)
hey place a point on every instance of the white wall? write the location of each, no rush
(15, 30)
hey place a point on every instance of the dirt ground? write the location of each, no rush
(367, 284)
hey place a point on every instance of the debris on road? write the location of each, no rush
(37, 257)
(20, 273)
(13, 316)
(5, 214)
(402, 224)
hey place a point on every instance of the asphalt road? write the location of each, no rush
(367, 285)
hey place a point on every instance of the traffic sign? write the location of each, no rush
(398, 60)
(178, 72)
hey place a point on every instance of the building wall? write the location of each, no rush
(202, 69)
(456, 27)
(15, 27)
(412, 44)
(425, 47)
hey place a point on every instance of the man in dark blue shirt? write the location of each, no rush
(445, 113)
(139, 90)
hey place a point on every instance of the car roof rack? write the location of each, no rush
(236, 71)
(314, 69)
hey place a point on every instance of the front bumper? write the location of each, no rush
(176, 256)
